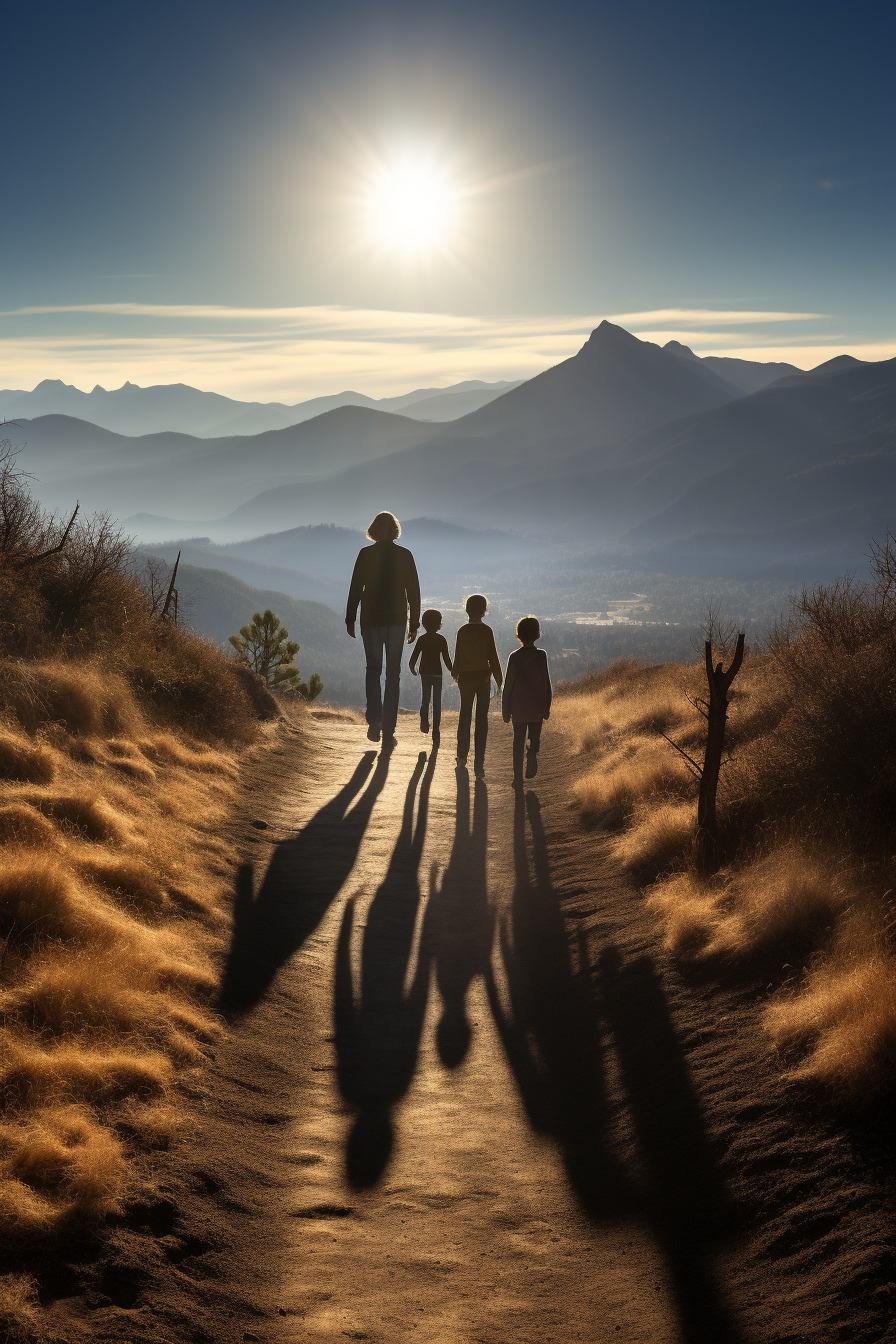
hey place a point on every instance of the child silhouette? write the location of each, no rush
(476, 661)
(527, 697)
(431, 648)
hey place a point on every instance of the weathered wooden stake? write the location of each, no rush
(706, 840)
(170, 591)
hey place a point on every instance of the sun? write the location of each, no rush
(411, 208)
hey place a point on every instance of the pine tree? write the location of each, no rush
(266, 647)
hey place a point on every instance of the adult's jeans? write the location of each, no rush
(520, 730)
(382, 707)
(473, 686)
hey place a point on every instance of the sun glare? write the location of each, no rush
(412, 208)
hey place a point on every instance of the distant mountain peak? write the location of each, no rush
(608, 333)
(683, 351)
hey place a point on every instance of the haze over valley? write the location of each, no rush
(631, 485)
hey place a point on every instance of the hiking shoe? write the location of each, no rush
(373, 732)
(516, 782)
(479, 770)
(424, 724)
(531, 765)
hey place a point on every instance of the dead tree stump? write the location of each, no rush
(706, 841)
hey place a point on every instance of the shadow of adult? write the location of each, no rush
(302, 878)
(460, 923)
(683, 1196)
(378, 1036)
(548, 1023)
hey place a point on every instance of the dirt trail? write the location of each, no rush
(464, 1096)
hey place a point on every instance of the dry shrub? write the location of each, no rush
(86, 814)
(844, 1019)
(128, 881)
(39, 898)
(22, 824)
(688, 908)
(33, 1075)
(172, 751)
(639, 769)
(777, 901)
(21, 760)
(19, 1307)
(127, 757)
(83, 699)
(65, 1155)
(65, 994)
(187, 682)
(657, 837)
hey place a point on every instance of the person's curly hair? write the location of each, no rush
(385, 527)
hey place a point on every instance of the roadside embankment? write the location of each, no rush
(120, 737)
(803, 891)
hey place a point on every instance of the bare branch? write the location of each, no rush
(53, 550)
(170, 589)
(696, 768)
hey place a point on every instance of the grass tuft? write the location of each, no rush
(23, 760)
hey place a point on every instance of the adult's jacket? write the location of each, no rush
(385, 583)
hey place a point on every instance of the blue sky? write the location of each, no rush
(192, 182)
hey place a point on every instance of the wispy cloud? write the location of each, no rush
(708, 317)
(287, 354)
(335, 317)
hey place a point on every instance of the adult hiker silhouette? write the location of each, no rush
(386, 585)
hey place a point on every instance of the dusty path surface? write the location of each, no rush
(464, 1096)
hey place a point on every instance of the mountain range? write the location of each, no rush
(627, 450)
(208, 415)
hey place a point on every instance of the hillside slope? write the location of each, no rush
(201, 477)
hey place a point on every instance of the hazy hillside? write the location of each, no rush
(294, 582)
(216, 605)
(795, 475)
(199, 478)
(315, 563)
(615, 385)
(744, 374)
(137, 410)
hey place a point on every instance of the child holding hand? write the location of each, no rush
(476, 661)
(527, 697)
(431, 648)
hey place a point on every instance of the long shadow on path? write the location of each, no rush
(460, 922)
(548, 1025)
(562, 1019)
(303, 877)
(378, 1037)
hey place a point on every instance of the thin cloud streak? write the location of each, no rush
(272, 366)
(334, 317)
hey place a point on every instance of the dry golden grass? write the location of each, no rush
(109, 906)
(21, 759)
(804, 870)
(83, 699)
(844, 1018)
(19, 1307)
(658, 835)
